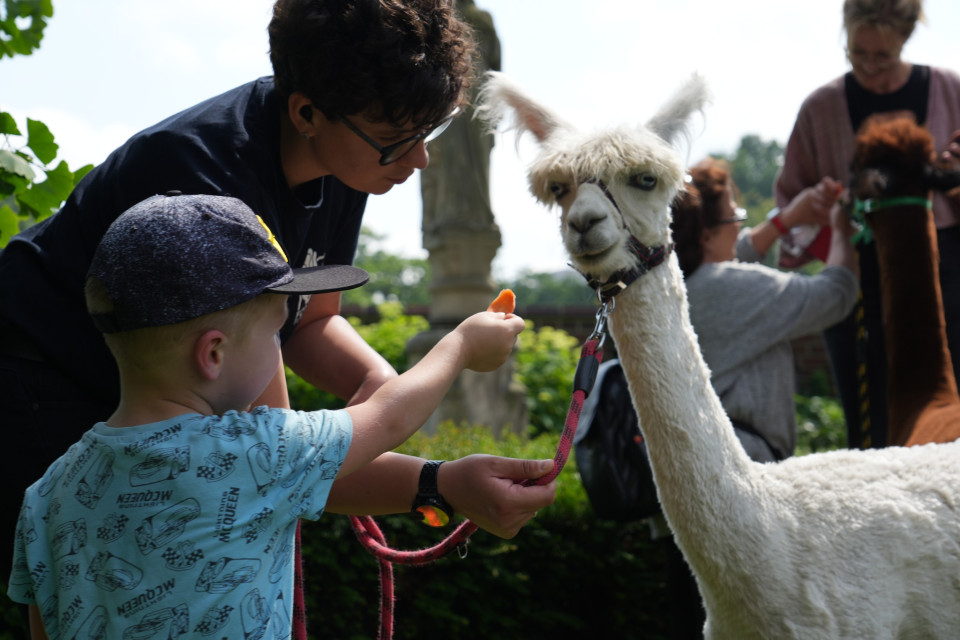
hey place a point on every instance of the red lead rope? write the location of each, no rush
(586, 375)
(372, 538)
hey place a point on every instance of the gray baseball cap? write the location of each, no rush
(172, 258)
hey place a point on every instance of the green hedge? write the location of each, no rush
(565, 574)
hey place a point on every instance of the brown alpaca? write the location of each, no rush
(893, 174)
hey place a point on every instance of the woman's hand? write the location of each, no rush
(952, 153)
(813, 204)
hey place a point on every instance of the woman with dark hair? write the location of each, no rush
(746, 314)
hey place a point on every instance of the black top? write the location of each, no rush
(912, 96)
(228, 145)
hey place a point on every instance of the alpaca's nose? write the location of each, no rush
(584, 222)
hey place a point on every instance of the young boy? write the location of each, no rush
(178, 513)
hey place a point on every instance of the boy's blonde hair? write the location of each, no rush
(150, 347)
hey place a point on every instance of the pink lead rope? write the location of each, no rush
(372, 538)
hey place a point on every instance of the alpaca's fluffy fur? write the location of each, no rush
(848, 544)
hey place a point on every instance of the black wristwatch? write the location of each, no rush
(429, 504)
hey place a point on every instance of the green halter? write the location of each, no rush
(860, 207)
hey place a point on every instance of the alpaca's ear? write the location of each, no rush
(941, 178)
(499, 94)
(674, 119)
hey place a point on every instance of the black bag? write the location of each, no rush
(611, 452)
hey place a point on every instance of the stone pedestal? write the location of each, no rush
(492, 399)
(461, 285)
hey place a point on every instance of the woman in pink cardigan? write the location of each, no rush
(821, 145)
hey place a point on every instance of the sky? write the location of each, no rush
(109, 68)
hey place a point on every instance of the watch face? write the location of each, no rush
(433, 516)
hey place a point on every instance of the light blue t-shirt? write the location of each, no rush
(179, 527)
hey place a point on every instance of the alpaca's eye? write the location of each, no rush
(645, 181)
(558, 189)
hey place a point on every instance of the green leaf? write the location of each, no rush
(46, 197)
(16, 40)
(8, 126)
(41, 200)
(40, 141)
(79, 174)
(12, 183)
(11, 162)
(9, 225)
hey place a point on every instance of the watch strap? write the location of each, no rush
(436, 511)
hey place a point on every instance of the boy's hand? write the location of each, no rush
(488, 339)
(486, 489)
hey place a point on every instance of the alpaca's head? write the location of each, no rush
(611, 185)
(895, 157)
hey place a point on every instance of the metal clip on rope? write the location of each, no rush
(600, 328)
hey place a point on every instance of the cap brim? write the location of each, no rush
(323, 279)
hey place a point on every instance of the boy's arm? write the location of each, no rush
(37, 631)
(397, 409)
(483, 488)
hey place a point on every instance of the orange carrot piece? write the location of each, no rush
(505, 302)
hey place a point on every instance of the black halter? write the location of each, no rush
(647, 257)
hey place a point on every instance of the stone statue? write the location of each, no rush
(456, 185)
(462, 239)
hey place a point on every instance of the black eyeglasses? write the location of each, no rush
(739, 215)
(880, 61)
(393, 152)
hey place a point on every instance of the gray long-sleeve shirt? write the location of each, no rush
(745, 316)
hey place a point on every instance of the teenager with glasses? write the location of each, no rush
(880, 80)
(745, 315)
(359, 87)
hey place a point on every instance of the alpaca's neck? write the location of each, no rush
(920, 370)
(693, 450)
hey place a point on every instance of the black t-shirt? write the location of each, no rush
(228, 145)
(912, 96)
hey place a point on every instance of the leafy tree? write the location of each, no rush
(31, 187)
(754, 166)
(550, 289)
(392, 278)
(21, 25)
(407, 280)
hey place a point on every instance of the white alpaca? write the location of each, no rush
(847, 544)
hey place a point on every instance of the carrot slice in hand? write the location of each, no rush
(506, 302)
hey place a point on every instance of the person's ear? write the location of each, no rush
(208, 354)
(301, 112)
(706, 235)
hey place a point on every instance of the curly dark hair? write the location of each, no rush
(399, 61)
(699, 206)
